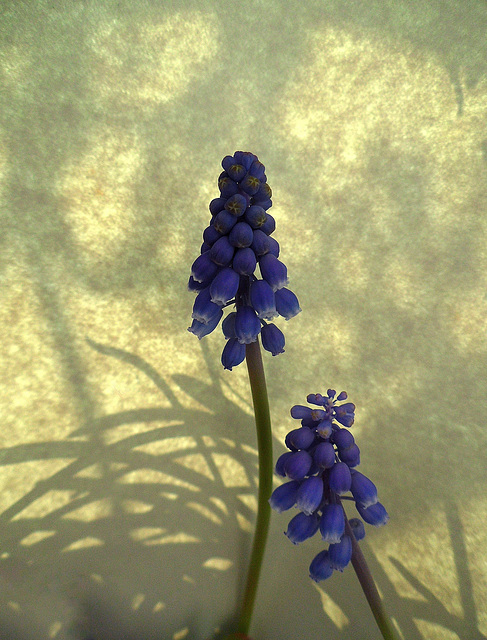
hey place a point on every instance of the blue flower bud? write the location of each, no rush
(314, 419)
(211, 235)
(284, 497)
(203, 309)
(324, 455)
(228, 161)
(269, 225)
(261, 243)
(345, 414)
(340, 553)
(264, 194)
(273, 339)
(358, 529)
(205, 247)
(297, 465)
(204, 268)
(236, 172)
(281, 463)
(342, 396)
(224, 286)
(363, 490)
(241, 235)
(350, 456)
(222, 252)
(324, 429)
(255, 216)
(375, 514)
(244, 158)
(224, 221)
(274, 271)
(312, 398)
(236, 205)
(233, 354)
(250, 184)
(273, 246)
(310, 494)
(302, 527)
(247, 325)
(257, 169)
(244, 261)
(265, 204)
(301, 438)
(340, 478)
(332, 523)
(193, 285)
(287, 304)
(320, 567)
(217, 205)
(228, 325)
(227, 186)
(200, 329)
(262, 299)
(343, 439)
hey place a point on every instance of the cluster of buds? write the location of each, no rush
(237, 239)
(321, 468)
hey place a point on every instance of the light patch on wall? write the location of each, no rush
(231, 471)
(144, 533)
(137, 600)
(96, 510)
(152, 63)
(151, 476)
(35, 537)
(466, 321)
(136, 506)
(159, 606)
(220, 504)
(332, 609)
(249, 500)
(167, 445)
(94, 471)
(177, 538)
(55, 628)
(111, 436)
(205, 512)
(220, 564)
(244, 523)
(51, 501)
(182, 633)
(197, 463)
(84, 543)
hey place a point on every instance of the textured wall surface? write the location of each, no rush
(127, 460)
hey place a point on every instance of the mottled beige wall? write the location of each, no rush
(128, 462)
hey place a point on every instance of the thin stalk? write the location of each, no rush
(264, 443)
(368, 586)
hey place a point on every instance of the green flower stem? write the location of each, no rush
(264, 442)
(368, 585)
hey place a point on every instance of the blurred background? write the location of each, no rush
(128, 455)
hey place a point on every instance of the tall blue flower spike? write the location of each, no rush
(237, 239)
(321, 467)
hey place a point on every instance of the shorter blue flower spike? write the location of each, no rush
(233, 354)
(287, 304)
(332, 523)
(247, 325)
(310, 494)
(340, 553)
(272, 339)
(284, 497)
(340, 478)
(358, 528)
(321, 461)
(200, 329)
(375, 514)
(302, 527)
(224, 286)
(320, 567)
(297, 465)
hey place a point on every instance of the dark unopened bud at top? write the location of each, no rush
(236, 205)
(345, 414)
(255, 216)
(269, 225)
(227, 186)
(224, 221)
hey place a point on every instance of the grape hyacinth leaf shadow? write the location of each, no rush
(170, 488)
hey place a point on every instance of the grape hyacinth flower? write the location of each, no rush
(237, 239)
(321, 467)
